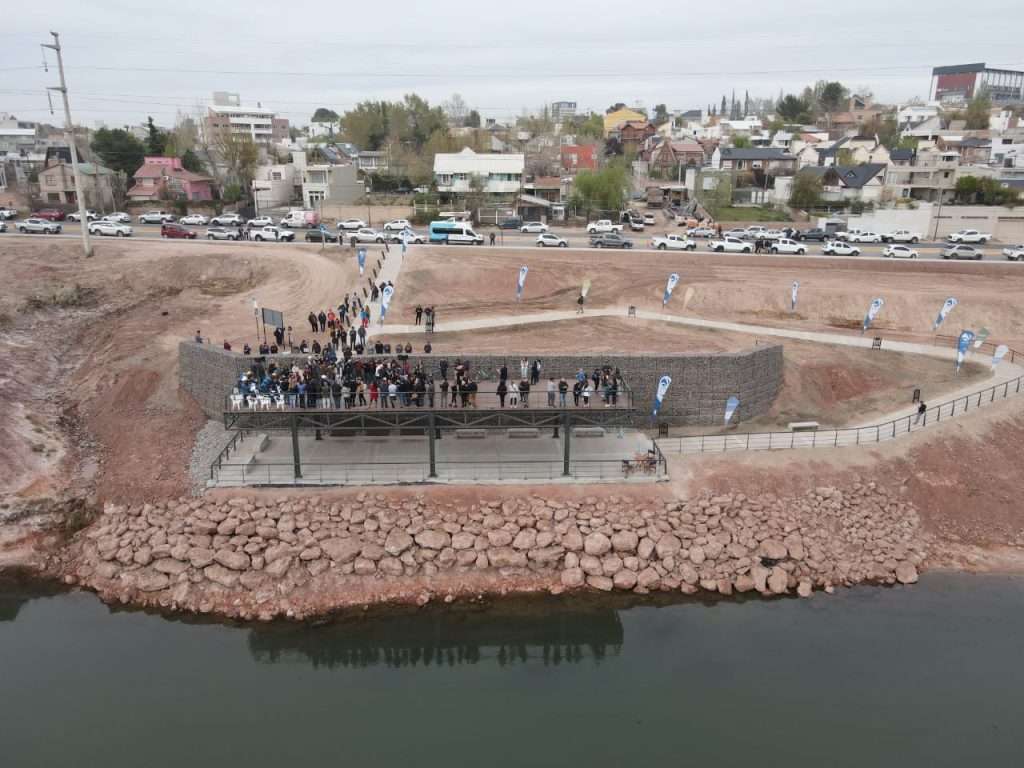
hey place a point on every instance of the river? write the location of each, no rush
(931, 675)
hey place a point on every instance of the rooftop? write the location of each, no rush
(468, 161)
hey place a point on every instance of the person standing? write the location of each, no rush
(551, 392)
(524, 393)
(313, 322)
(322, 317)
(563, 390)
(513, 394)
(419, 314)
(535, 373)
(579, 304)
(503, 373)
(492, 238)
(922, 412)
(502, 391)
(524, 368)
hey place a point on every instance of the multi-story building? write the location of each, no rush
(57, 185)
(962, 82)
(562, 111)
(928, 174)
(499, 173)
(164, 178)
(227, 114)
(330, 184)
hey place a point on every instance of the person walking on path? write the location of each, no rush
(922, 413)
(579, 304)
(513, 394)
(313, 322)
(577, 391)
(322, 317)
(586, 395)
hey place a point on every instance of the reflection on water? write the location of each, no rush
(448, 638)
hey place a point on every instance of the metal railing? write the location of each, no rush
(226, 452)
(767, 441)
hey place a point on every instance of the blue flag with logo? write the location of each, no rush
(361, 258)
(1000, 353)
(947, 307)
(385, 300)
(873, 310)
(663, 384)
(673, 281)
(730, 408)
(521, 282)
(963, 345)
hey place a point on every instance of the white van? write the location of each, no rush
(301, 219)
(462, 234)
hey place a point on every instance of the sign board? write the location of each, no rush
(273, 317)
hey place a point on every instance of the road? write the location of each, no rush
(577, 238)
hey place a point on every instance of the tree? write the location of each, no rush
(978, 111)
(472, 119)
(366, 125)
(190, 162)
(972, 190)
(119, 150)
(793, 109)
(886, 129)
(741, 142)
(590, 127)
(722, 111)
(746, 103)
(604, 190)
(615, 107)
(240, 155)
(806, 191)
(660, 114)
(830, 95)
(324, 115)
(456, 110)
(156, 141)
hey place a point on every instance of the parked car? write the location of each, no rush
(701, 232)
(350, 225)
(320, 236)
(176, 231)
(839, 248)
(672, 242)
(366, 235)
(410, 237)
(847, 234)
(962, 252)
(774, 234)
(119, 216)
(421, 190)
(603, 226)
(649, 219)
(731, 245)
(811, 234)
(3, 225)
(90, 215)
(550, 240)
(533, 227)
(260, 221)
(636, 225)
(223, 233)
(227, 220)
(785, 245)
(156, 217)
(110, 229)
(36, 226)
(300, 219)
(739, 234)
(194, 219)
(897, 251)
(1014, 252)
(755, 231)
(272, 234)
(512, 222)
(610, 240)
(969, 236)
(864, 237)
(50, 214)
(6, 214)
(901, 236)
(397, 225)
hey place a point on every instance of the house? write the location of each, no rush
(275, 186)
(164, 178)
(617, 118)
(579, 157)
(546, 188)
(846, 183)
(912, 115)
(57, 184)
(325, 183)
(764, 159)
(928, 174)
(499, 174)
(849, 150)
(632, 134)
(859, 111)
(373, 161)
(671, 155)
(324, 128)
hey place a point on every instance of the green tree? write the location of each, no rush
(118, 150)
(660, 114)
(324, 115)
(977, 113)
(972, 190)
(472, 119)
(793, 109)
(604, 190)
(741, 142)
(190, 162)
(156, 140)
(240, 154)
(806, 191)
(887, 130)
(590, 127)
(830, 95)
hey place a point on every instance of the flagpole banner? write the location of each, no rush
(385, 300)
(361, 257)
(1000, 353)
(873, 310)
(673, 281)
(521, 282)
(963, 345)
(947, 307)
(793, 295)
(585, 288)
(979, 339)
(688, 296)
(730, 408)
(663, 384)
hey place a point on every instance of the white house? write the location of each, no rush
(274, 186)
(500, 173)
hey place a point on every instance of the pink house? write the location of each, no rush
(164, 178)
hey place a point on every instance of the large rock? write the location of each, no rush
(624, 579)
(397, 542)
(625, 541)
(906, 573)
(150, 581)
(236, 561)
(744, 582)
(506, 557)
(668, 545)
(525, 539)
(697, 555)
(648, 578)
(372, 552)
(364, 567)
(591, 565)
(461, 540)
(218, 574)
(573, 578)
(200, 557)
(777, 581)
(278, 567)
(431, 539)
(339, 550)
(604, 583)
(772, 548)
(596, 544)
(573, 540)
(499, 537)
(170, 566)
(760, 575)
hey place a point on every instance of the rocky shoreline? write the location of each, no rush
(261, 558)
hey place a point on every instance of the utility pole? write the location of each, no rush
(69, 133)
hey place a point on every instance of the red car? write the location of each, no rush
(50, 214)
(176, 230)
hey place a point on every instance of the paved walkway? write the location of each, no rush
(389, 270)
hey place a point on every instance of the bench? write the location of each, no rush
(262, 441)
(516, 432)
(588, 431)
(470, 434)
(803, 426)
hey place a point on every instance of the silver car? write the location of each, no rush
(38, 227)
(223, 233)
(962, 252)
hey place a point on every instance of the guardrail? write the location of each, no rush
(767, 441)
(226, 451)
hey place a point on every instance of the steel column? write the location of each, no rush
(567, 432)
(295, 446)
(431, 436)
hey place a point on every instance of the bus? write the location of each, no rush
(454, 233)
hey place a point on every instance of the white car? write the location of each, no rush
(3, 225)
(223, 233)
(351, 224)
(673, 242)
(194, 219)
(260, 221)
(38, 227)
(533, 227)
(7, 213)
(410, 237)
(785, 245)
(839, 248)
(119, 217)
(273, 234)
(773, 234)
(395, 224)
(89, 216)
(649, 219)
(901, 236)
(731, 245)
(701, 232)
(899, 252)
(156, 217)
(1014, 252)
(110, 229)
(969, 236)
(549, 240)
(227, 220)
(603, 227)
(739, 234)
(864, 237)
(366, 235)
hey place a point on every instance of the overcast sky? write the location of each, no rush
(125, 60)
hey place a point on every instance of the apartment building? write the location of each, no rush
(927, 174)
(227, 114)
(500, 173)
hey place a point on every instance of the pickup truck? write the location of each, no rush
(848, 234)
(969, 236)
(610, 240)
(901, 236)
(673, 243)
(731, 245)
(365, 235)
(602, 227)
(812, 234)
(272, 234)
